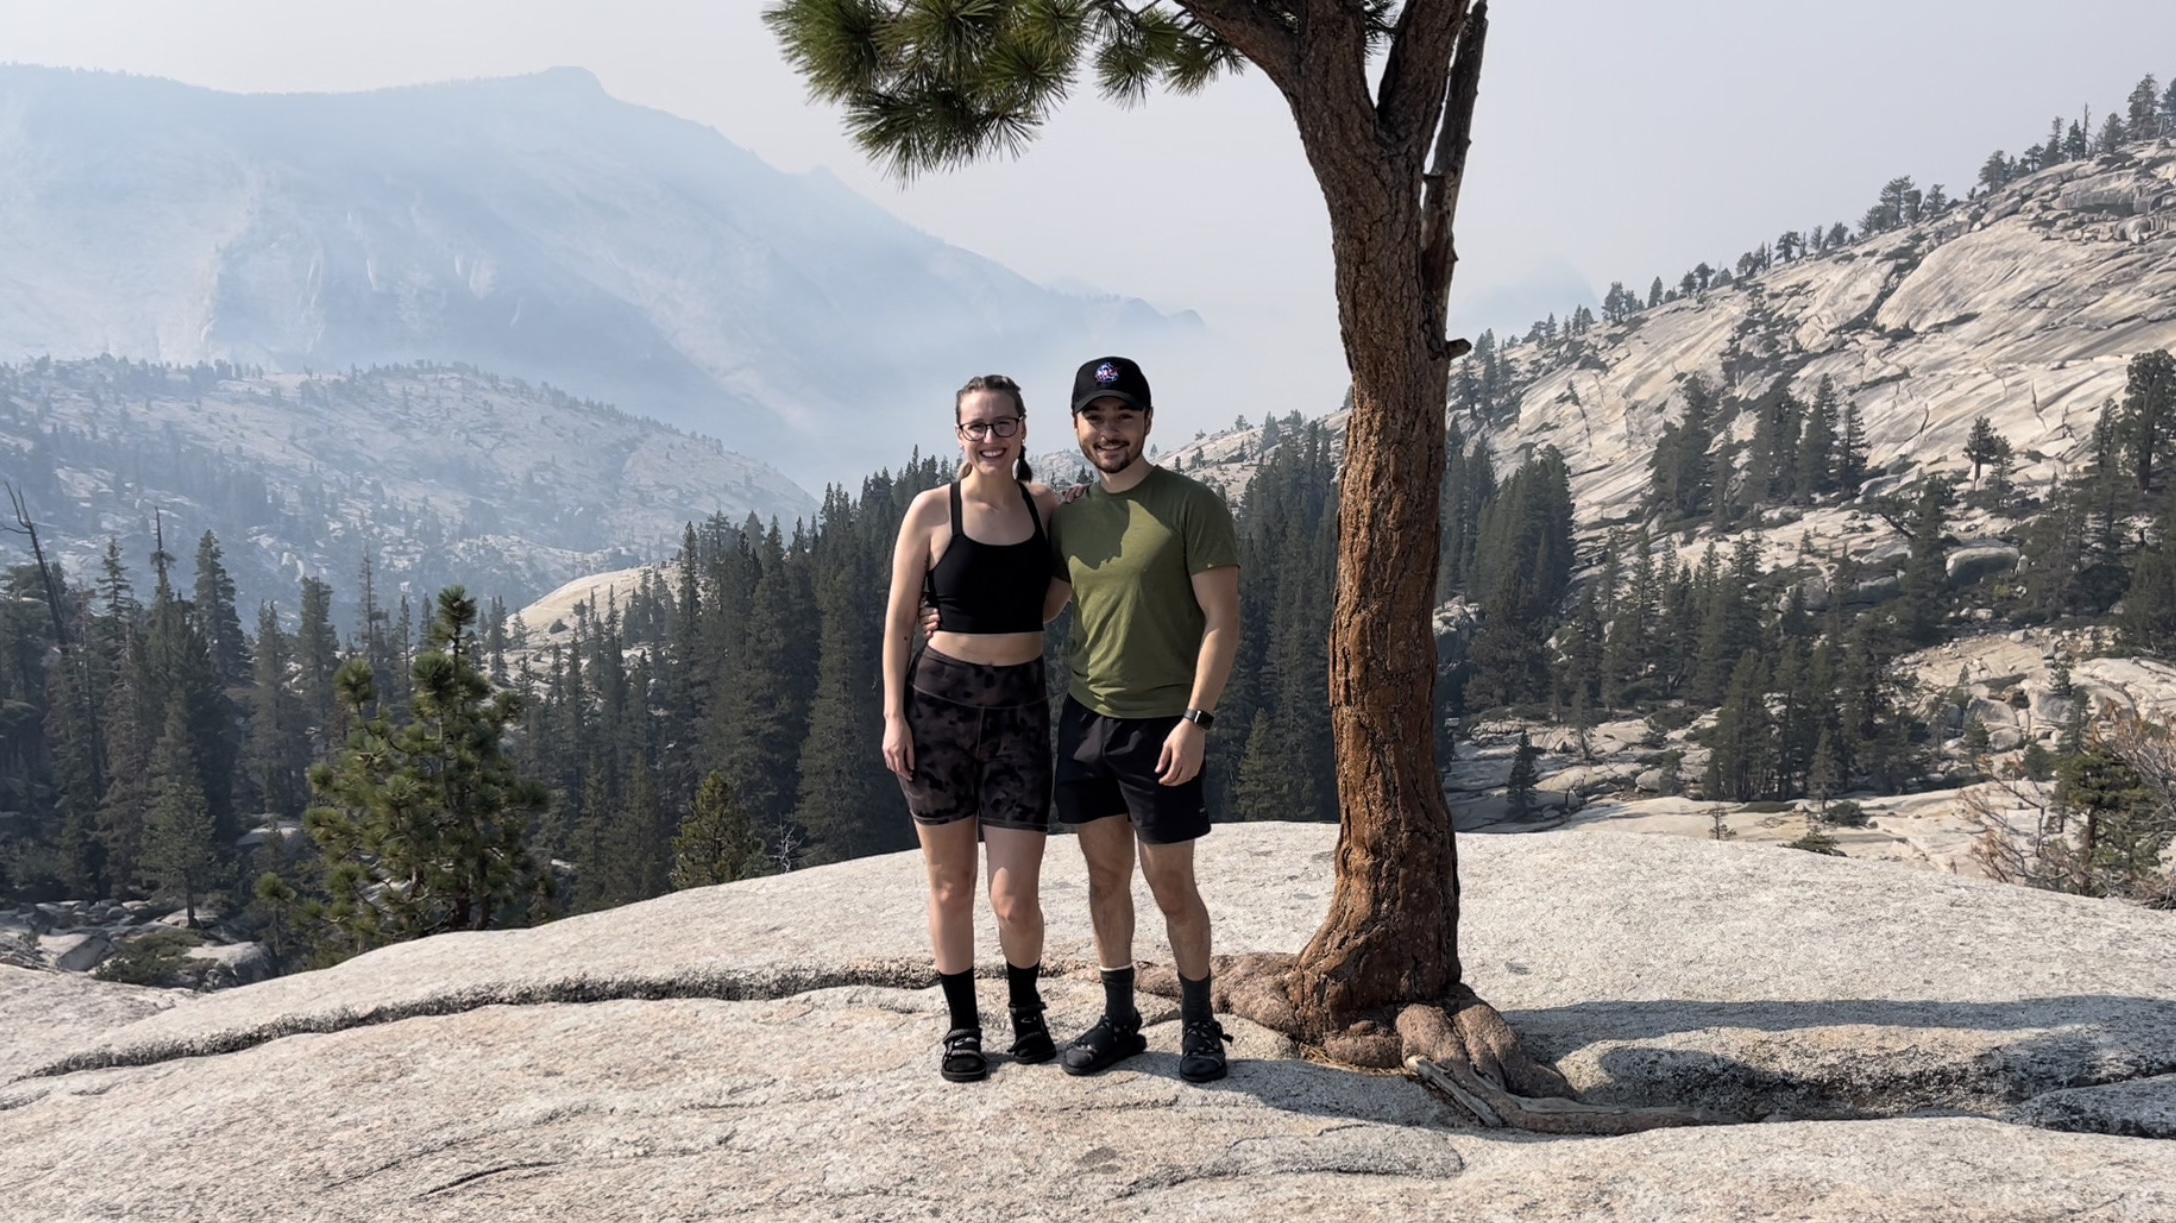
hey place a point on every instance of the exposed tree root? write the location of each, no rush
(1459, 1047)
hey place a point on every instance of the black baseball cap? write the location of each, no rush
(1111, 378)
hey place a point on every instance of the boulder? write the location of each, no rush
(237, 963)
(1885, 556)
(75, 952)
(1969, 565)
(1874, 591)
(1991, 713)
(1813, 592)
(1473, 776)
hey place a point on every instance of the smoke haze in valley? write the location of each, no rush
(1612, 143)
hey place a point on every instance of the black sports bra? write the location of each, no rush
(991, 588)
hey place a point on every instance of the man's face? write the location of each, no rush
(1112, 434)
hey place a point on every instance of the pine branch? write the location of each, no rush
(931, 84)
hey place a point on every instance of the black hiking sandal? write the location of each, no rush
(1031, 1041)
(963, 1061)
(1103, 1046)
(1201, 1051)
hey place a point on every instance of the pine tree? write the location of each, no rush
(2123, 826)
(2149, 607)
(1816, 472)
(2142, 109)
(1851, 451)
(216, 612)
(1683, 470)
(2112, 135)
(317, 660)
(1825, 776)
(1741, 756)
(1523, 566)
(717, 842)
(1925, 583)
(638, 861)
(180, 853)
(422, 826)
(1469, 484)
(1519, 791)
(1628, 654)
(2148, 423)
(776, 687)
(278, 749)
(845, 801)
(1983, 446)
(1266, 785)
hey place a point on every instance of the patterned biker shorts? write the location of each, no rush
(981, 743)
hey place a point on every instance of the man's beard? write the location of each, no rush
(1105, 461)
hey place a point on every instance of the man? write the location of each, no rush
(1152, 563)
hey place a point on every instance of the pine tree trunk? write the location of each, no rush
(1391, 933)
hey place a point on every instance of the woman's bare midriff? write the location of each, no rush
(989, 649)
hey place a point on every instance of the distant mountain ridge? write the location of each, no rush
(533, 226)
(2024, 304)
(435, 474)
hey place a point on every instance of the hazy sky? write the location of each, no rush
(1613, 141)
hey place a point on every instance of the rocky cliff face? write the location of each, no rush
(2023, 306)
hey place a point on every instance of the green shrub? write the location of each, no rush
(1766, 807)
(1673, 717)
(160, 958)
(1816, 842)
(1845, 815)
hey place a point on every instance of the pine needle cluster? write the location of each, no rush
(933, 84)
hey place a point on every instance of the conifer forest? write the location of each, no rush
(342, 764)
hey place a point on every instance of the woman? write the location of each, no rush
(967, 719)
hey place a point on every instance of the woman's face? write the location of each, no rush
(983, 416)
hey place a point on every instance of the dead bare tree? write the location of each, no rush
(72, 665)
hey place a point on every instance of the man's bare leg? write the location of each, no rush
(1169, 870)
(1107, 846)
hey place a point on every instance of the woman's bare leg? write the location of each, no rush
(1016, 872)
(948, 852)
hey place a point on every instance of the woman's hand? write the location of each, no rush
(898, 746)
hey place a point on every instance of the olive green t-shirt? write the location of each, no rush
(1131, 558)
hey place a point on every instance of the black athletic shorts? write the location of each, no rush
(981, 743)
(1107, 766)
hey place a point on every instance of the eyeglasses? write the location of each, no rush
(1003, 427)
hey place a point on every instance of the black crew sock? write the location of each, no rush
(959, 994)
(1020, 985)
(1118, 997)
(1194, 1001)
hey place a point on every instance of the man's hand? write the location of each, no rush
(929, 618)
(1181, 758)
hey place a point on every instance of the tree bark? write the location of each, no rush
(1391, 935)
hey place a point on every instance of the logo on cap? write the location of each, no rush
(1106, 374)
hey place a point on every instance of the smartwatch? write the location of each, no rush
(1200, 717)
